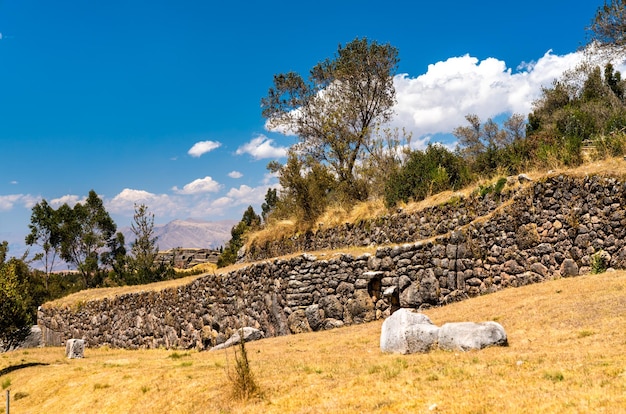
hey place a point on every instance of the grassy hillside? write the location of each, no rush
(567, 353)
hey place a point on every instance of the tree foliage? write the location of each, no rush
(334, 110)
(45, 232)
(270, 204)
(427, 172)
(586, 104)
(86, 229)
(249, 221)
(608, 27)
(144, 249)
(18, 299)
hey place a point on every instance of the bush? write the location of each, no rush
(244, 385)
(427, 172)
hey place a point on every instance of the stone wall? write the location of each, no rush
(186, 258)
(557, 227)
(400, 227)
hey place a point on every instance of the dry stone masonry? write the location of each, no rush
(562, 226)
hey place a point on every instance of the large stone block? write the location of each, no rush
(407, 331)
(463, 336)
(75, 348)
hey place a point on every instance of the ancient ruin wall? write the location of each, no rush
(558, 227)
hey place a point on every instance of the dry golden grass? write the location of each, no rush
(567, 354)
(202, 267)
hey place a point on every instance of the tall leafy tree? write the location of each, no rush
(249, 221)
(334, 110)
(144, 249)
(271, 200)
(17, 301)
(45, 232)
(86, 230)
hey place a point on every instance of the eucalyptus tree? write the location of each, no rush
(86, 229)
(334, 110)
(45, 232)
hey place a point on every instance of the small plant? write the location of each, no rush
(554, 376)
(499, 185)
(599, 262)
(585, 333)
(19, 395)
(186, 364)
(176, 355)
(98, 386)
(244, 385)
(145, 389)
(6, 383)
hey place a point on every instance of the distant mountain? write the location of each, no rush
(190, 233)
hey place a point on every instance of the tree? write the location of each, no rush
(86, 230)
(44, 231)
(249, 221)
(333, 112)
(608, 27)
(17, 302)
(144, 249)
(477, 138)
(306, 190)
(271, 201)
(426, 172)
(116, 257)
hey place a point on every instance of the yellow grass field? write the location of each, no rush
(567, 354)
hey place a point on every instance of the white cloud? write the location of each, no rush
(69, 199)
(202, 147)
(262, 147)
(0, 36)
(222, 202)
(248, 195)
(201, 185)
(159, 204)
(235, 174)
(8, 201)
(437, 101)
(14, 182)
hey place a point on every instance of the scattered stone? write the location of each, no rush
(75, 348)
(569, 268)
(523, 178)
(249, 335)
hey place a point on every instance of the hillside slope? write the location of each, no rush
(566, 354)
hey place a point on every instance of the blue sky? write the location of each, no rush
(158, 102)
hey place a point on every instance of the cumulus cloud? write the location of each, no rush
(235, 174)
(201, 185)
(262, 147)
(247, 195)
(202, 147)
(69, 199)
(437, 101)
(7, 202)
(159, 204)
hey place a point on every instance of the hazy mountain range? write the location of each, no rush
(190, 233)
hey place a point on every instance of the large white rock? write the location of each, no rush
(463, 336)
(75, 348)
(407, 331)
